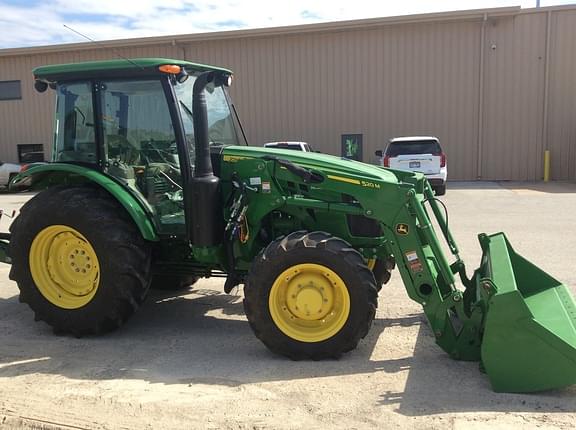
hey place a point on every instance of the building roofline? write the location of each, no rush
(472, 14)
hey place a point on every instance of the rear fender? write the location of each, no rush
(43, 176)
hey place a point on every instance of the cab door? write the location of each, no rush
(140, 147)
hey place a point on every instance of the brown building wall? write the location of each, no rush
(496, 86)
(560, 132)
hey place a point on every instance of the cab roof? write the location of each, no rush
(117, 67)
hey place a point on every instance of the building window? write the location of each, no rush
(30, 153)
(10, 90)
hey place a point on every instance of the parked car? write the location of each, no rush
(296, 146)
(7, 171)
(418, 154)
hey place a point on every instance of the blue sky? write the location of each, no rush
(34, 22)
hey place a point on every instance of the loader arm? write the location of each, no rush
(516, 319)
(429, 277)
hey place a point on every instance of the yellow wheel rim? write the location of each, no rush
(64, 267)
(309, 302)
(371, 263)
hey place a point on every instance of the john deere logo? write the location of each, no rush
(402, 229)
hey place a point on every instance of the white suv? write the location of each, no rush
(296, 146)
(418, 154)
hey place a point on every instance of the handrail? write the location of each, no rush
(431, 239)
(431, 199)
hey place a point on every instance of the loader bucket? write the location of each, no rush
(529, 340)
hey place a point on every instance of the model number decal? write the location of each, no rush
(370, 184)
(366, 184)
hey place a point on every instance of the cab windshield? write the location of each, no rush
(221, 124)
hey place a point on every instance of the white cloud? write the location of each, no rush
(42, 23)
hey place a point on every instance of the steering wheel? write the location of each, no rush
(122, 149)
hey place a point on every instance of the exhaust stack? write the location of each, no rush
(207, 226)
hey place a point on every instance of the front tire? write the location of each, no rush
(79, 260)
(310, 296)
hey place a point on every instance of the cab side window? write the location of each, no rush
(140, 146)
(75, 134)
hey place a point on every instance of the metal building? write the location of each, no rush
(497, 86)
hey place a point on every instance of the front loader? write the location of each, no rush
(151, 184)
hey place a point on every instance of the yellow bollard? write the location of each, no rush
(546, 165)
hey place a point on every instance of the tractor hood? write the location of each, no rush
(328, 164)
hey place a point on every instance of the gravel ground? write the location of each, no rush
(191, 361)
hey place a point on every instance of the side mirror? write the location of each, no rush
(40, 86)
(378, 153)
(222, 79)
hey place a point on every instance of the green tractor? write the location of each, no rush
(151, 183)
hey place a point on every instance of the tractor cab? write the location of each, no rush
(133, 120)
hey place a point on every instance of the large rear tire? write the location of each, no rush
(79, 260)
(310, 296)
